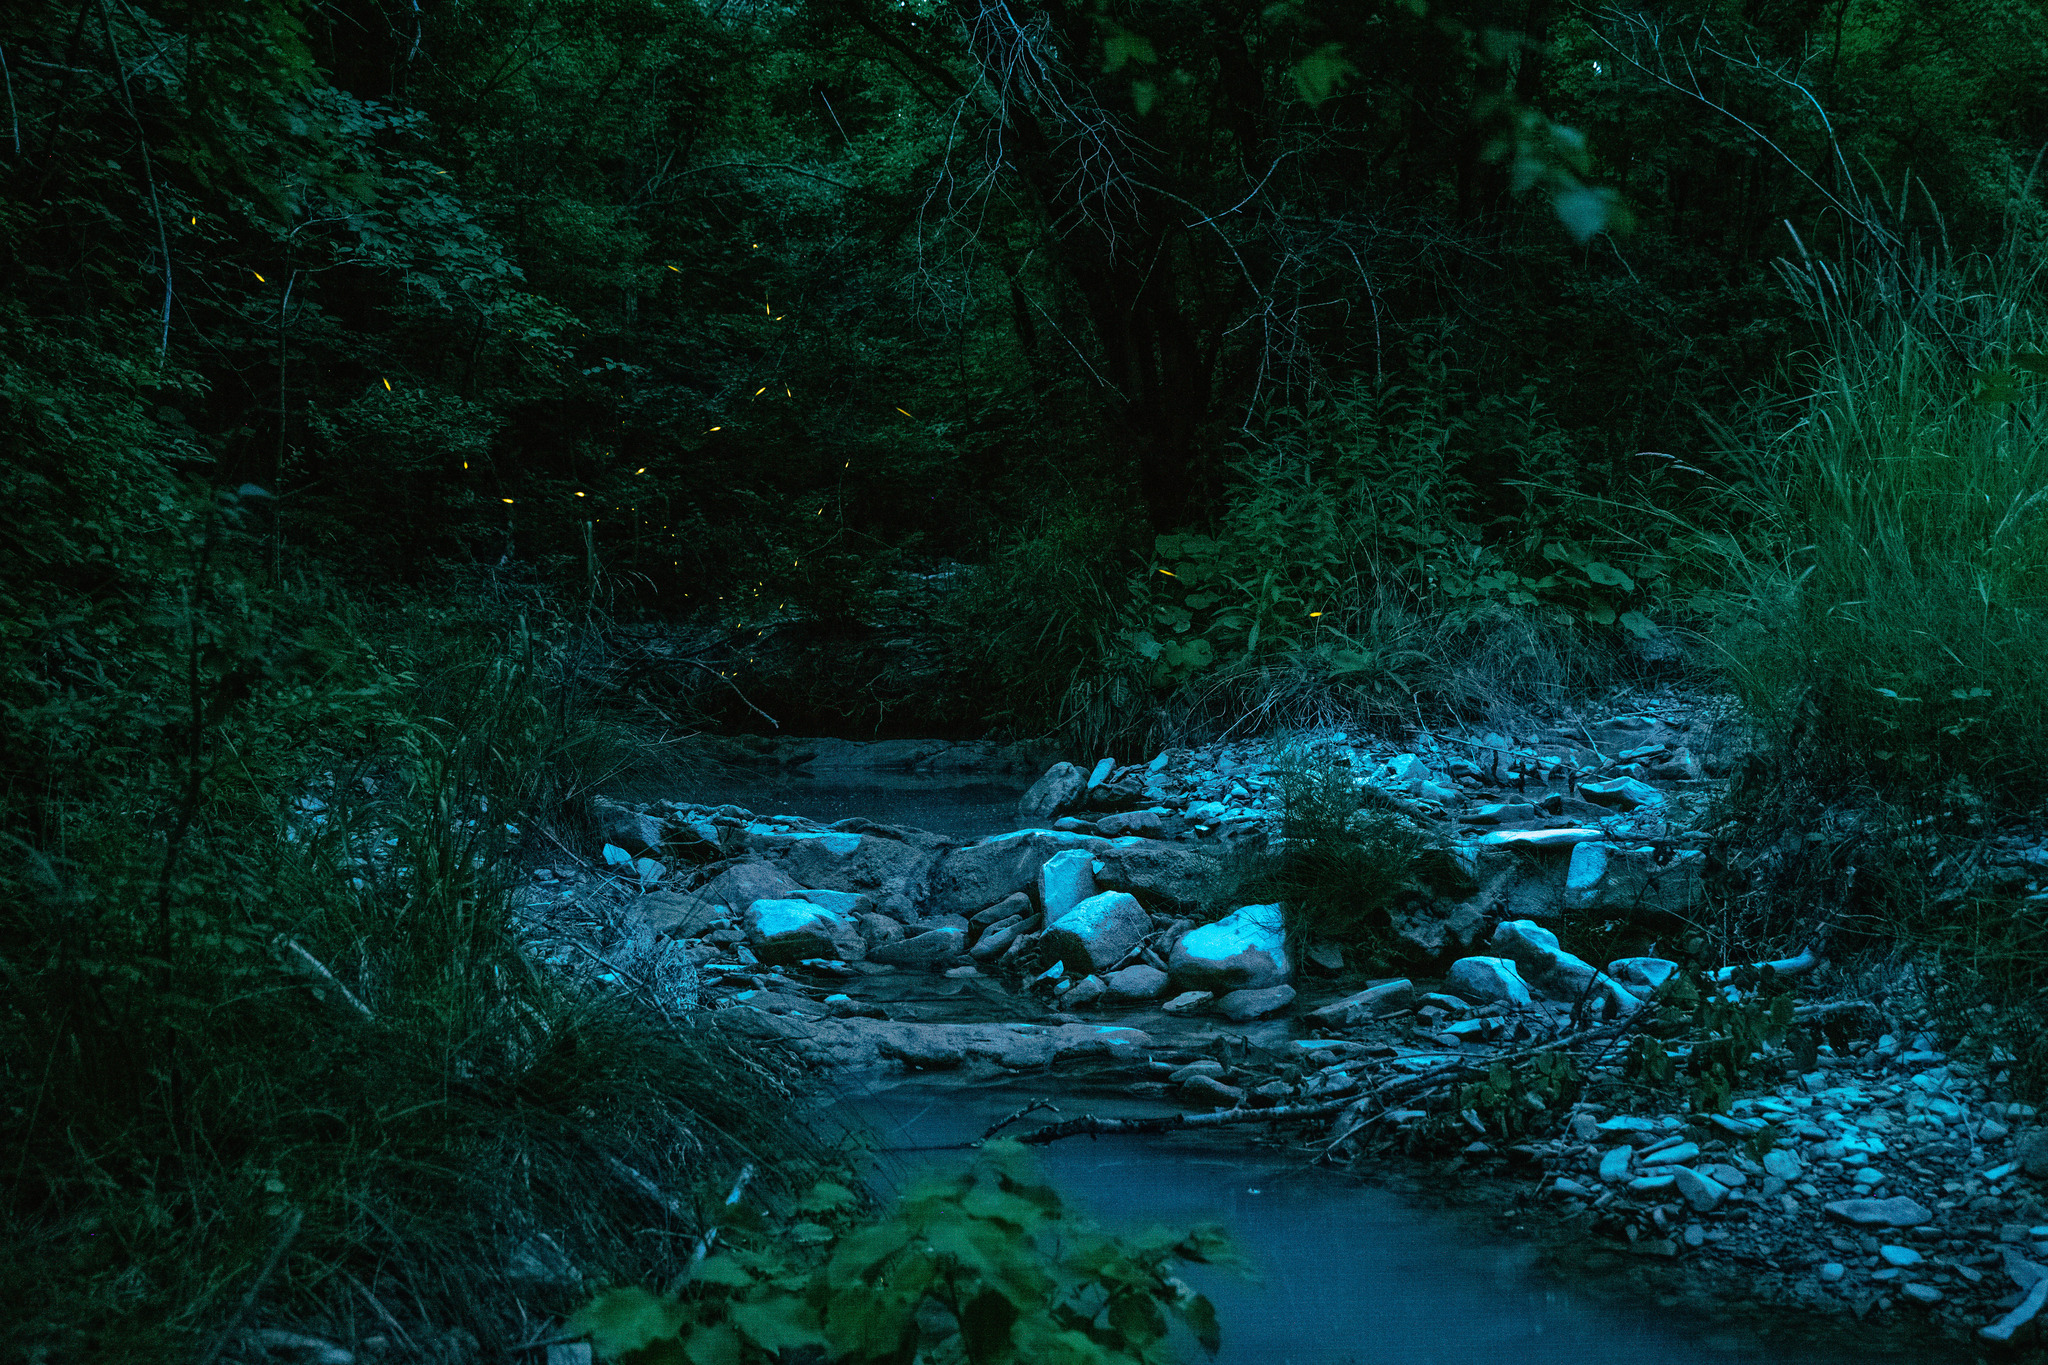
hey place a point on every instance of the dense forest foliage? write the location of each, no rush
(381, 381)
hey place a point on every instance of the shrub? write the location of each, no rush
(988, 1266)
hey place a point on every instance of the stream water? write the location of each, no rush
(1347, 1273)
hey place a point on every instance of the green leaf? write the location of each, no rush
(1144, 94)
(1600, 614)
(621, 1320)
(717, 1345)
(1123, 46)
(1148, 648)
(985, 1324)
(1582, 211)
(721, 1270)
(1322, 73)
(1607, 575)
(2033, 362)
(825, 1196)
(778, 1324)
(1200, 1316)
(1638, 625)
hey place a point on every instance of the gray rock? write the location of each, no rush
(1167, 876)
(1896, 1212)
(1831, 1271)
(1065, 880)
(1211, 1088)
(1244, 1006)
(2030, 1149)
(1704, 1193)
(1614, 1164)
(784, 931)
(628, 829)
(1607, 876)
(1556, 974)
(1016, 905)
(992, 945)
(1920, 1293)
(969, 879)
(1643, 976)
(1145, 824)
(1488, 980)
(1366, 1005)
(930, 951)
(1059, 791)
(1621, 793)
(877, 929)
(852, 904)
(1433, 929)
(740, 886)
(1245, 950)
(1098, 933)
(1187, 1002)
(1782, 1163)
(1082, 993)
(892, 871)
(674, 913)
(1137, 982)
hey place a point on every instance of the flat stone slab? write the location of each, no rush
(858, 1042)
(1896, 1212)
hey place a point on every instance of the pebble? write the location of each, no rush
(1673, 1156)
(1614, 1165)
(1896, 1212)
(1921, 1293)
(1831, 1272)
(1187, 1002)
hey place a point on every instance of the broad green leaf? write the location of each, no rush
(1584, 212)
(721, 1270)
(1200, 1316)
(1322, 73)
(985, 1324)
(716, 1345)
(1638, 625)
(621, 1320)
(1607, 575)
(825, 1196)
(1123, 46)
(1144, 94)
(778, 1324)
(1600, 614)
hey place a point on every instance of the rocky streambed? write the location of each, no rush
(1871, 1177)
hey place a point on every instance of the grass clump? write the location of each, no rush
(1340, 866)
(1881, 542)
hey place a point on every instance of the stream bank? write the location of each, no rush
(1886, 1185)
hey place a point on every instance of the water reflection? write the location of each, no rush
(1348, 1273)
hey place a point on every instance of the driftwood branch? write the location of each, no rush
(1403, 1087)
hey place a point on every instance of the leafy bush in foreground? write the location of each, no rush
(986, 1266)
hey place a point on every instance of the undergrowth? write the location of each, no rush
(269, 1028)
(1338, 866)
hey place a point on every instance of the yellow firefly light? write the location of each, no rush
(387, 386)
(905, 412)
(581, 494)
(758, 392)
(259, 278)
(1169, 573)
(1315, 614)
(504, 499)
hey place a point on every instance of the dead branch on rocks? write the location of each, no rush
(1405, 1087)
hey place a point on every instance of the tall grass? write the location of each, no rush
(1881, 542)
(309, 1060)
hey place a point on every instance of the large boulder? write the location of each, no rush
(740, 886)
(1097, 934)
(1488, 980)
(676, 914)
(970, 879)
(891, 871)
(1062, 789)
(1065, 880)
(1642, 976)
(1136, 982)
(1166, 876)
(1245, 950)
(1630, 879)
(1556, 974)
(1244, 1006)
(785, 931)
